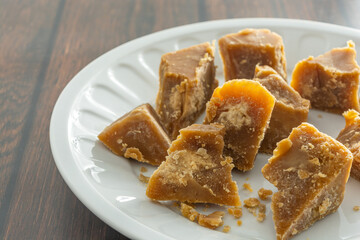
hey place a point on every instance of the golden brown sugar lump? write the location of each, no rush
(244, 107)
(290, 108)
(350, 137)
(187, 80)
(330, 81)
(195, 170)
(310, 170)
(242, 51)
(138, 135)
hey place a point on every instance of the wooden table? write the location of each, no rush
(43, 44)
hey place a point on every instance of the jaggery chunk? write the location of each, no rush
(187, 80)
(310, 170)
(242, 51)
(290, 108)
(138, 135)
(195, 170)
(244, 107)
(350, 137)
(329, 81)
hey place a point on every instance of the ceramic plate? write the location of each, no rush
(126, 77)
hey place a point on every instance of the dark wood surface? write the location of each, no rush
(43, 44)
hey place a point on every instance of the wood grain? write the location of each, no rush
(22, 64)
(44, 43)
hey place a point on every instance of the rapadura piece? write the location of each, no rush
(187, 80)
(330, 81)
(244, 107)
(350, 137)
(290, 108)
(195, 170)
(242, 51)
(310, 170)
(138, 135)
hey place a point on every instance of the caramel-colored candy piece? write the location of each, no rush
(329, 81)
(290, 108)
(244, 107)
(195, 170)
(242, 51)
(350, 137)
(187, 80)
(138, 135)
(310, 170)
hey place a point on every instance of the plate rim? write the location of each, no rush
(75, 179)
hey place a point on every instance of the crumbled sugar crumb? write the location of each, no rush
(226, 229)
(261, 215)
(303, 174)
(213, 220)
(143, 169)
(143, 178)
(264, 193)
(251, 202)
(235, 211)
(248, 187)
(315, 161)
(356, 208)
(239, 222)
(189, 212)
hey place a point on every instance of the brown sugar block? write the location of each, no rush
(187, 80)
(290, 108)
(242, 51)
(330, 81)
(244, 107)
(195, 170)
(138, 135)
(310, 170)
(350, 137)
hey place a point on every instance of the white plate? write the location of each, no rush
(127, 76)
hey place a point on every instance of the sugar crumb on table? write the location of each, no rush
(212, 221)
(248, 187)
(264, 193)
(226, 229)
(235, 211)
(258, 209)
(251, 202)
(143, 178)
